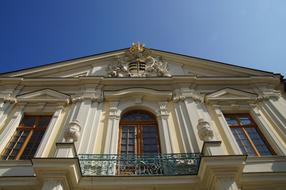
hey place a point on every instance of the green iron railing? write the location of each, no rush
(139, 165)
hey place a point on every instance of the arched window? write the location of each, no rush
(138, 133)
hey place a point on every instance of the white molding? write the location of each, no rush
(44, 95)
(5, 110)
(274, 116)
(164, 128)
(135, 92)
(52, 128)
(267, 132)
(9, 130)
(111, 145)
(227, 134)
(230, 94)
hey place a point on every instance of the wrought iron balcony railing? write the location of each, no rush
(139, 165)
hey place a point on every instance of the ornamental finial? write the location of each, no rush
(136, 47)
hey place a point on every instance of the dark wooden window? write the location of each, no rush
(26, 139)
(247, 135)
(138, 133)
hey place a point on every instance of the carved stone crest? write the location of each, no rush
(138, 62)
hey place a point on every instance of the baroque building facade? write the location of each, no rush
(141, 118)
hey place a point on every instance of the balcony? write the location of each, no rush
(139, 165)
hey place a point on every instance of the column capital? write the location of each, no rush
(163, 111)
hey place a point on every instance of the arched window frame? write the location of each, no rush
(138, 129)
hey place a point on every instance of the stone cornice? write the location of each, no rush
(170, 80)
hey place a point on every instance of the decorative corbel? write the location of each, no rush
(196, 96)
(91, 97)
(72, 133)
(204, 130)
(10, 99)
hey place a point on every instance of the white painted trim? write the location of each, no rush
(227, 131)
(5, 110)
(265, 129)
(11, 127)
(50, 131)
(93, 135)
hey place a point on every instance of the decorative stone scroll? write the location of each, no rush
(72, 132)
(8, 98)
(138, 62)
(204, 130)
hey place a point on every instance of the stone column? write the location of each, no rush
(164, 128)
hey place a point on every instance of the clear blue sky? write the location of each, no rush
(250, 33)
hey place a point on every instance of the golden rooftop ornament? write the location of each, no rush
(136, 47)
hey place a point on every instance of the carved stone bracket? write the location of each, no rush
(92, 97)
(204, 130)
(72, 133)
(9, 98)
(178, 95)
(268, 96)
(178, 98)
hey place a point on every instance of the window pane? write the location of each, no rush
(44, 122)
(231, 121)
(138, 133)
(137, 116)
(29, 133)
(258, 141)
(244, 120)
(28, 121)
(150, 141)
(242, 141)
(247, 135)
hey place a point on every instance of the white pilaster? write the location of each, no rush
(11, 127)
(194, 110)
(90, 127)
(50, 134)
(80, 114)
(111, 140)
(93, 134)
(263, 126)
(5, 109)
(184, 133)
(226, 132)
(276, 111)
(164, 129)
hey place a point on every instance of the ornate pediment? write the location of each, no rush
(45, 95)
(138, 62)
(230, 94)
